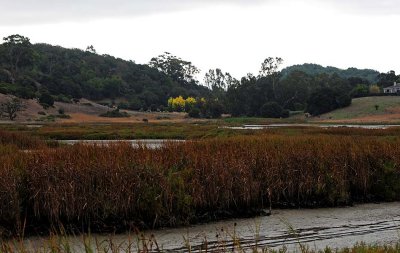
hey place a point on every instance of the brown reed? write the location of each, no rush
(120, 186)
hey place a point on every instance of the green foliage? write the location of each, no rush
(273, 110)
(115, 114)
(46, 99)
(194, 113)
(315, 70)
(361, 90)
(16, 54)
(74, 73)
(325, 100)
(178, 69)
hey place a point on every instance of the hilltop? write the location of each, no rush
(314, 69)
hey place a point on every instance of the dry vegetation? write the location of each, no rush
(119, 186)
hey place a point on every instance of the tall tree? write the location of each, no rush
(218, 80)
(269, 68)
(175, 67)
(16, 52)
(387, 79)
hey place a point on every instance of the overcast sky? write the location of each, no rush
(234, 35)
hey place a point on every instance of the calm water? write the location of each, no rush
(154, 144)
(318, 228)
(259, 127)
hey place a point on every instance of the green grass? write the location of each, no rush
(364, 107)
(296, 117)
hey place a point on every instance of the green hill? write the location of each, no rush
(29, 70)
(315, 69)
(372, 109)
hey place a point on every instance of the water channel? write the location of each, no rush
(316, 228)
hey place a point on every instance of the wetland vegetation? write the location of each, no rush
(119, 187)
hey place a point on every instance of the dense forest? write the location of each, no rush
(315, 69)
(49, 73)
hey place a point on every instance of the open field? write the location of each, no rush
(119, 187)
(363, 110)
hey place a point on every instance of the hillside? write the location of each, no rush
(363, 110)
(315, 69)
(29, 70)
(83, 111)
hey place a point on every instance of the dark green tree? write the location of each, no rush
(175, 67)
(269, 67)
(16, 53)
(273, 110)
(324, 100)
(46, 99)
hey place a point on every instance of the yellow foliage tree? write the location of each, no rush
(374, 89)
(190, 103)
(177, 104)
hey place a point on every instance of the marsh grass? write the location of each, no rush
(119, 187)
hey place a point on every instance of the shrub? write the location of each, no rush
(46, 100)
(115, 114)
(273, 110)
(194, 113)
(61, 110)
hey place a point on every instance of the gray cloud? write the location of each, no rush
(19, 12)
(49, 11)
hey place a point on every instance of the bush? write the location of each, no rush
(213, 109)
(46, 100)
(115, 114)
(61, 110)
(194, 113)
(63, 98)
(123, 105)
(273, 110)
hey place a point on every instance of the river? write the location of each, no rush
(316, 228)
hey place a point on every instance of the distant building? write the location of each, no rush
(392, 89)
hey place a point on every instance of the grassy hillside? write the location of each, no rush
(364, 110)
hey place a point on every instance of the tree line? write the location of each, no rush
(51, 73)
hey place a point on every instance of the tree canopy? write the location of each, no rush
(51, 73)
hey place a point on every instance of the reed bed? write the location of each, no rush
(118, 186)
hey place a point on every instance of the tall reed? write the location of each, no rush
(119, 186)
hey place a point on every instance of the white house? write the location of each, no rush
(392, 89)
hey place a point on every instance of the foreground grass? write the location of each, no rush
(141, 244)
